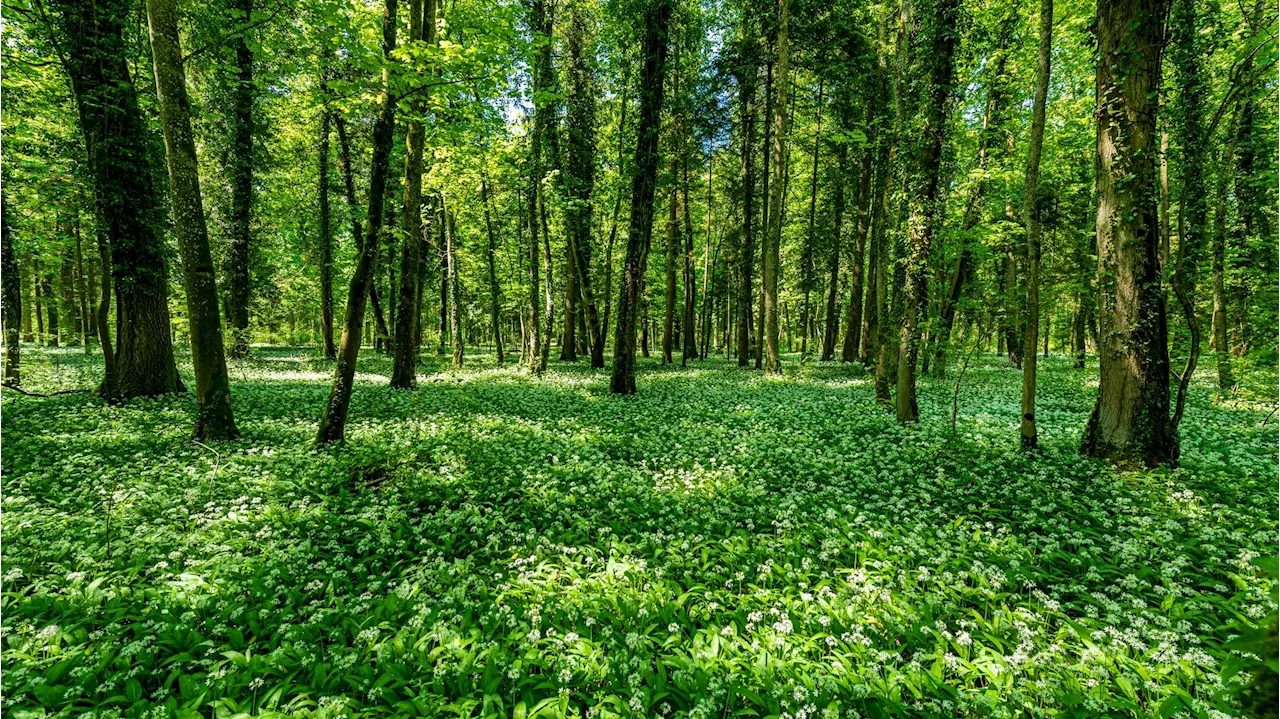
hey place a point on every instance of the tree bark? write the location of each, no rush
(214, 418)
(773, 236)
(495, 294)
(115, 136)
(1130, 420)
(405, 353)
(643, 180)
(333, 421)
(580, 166)
(12, 298)
(241, 183)
(1031, 217)
(746, 258)
(853, 316)
(925, 198)
(326, 241)
(806, 251)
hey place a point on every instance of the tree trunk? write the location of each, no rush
(689, 345)
(806, 251)
(643, 181)
(115, 136)
(12, 298)
(422, 29)
(673, 241)
(241, 183)
(1031, 217)
(85, 325)
(326, 241)
(746, 273)
(334, 419)
(455, 304)
(832, 327)
(495, 294)
(853, 316)
(580, 174)
(773, 235)
(925, 199)
(1130, 420)
(1226, 382)
(214, 419)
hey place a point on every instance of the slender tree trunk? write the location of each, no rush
(689, 346)
(925, 198)
(1130, 421)
(422, 29)
(12, 298)
(1226, 382)
(326, 241)
(644, 178)
(85, 327)
(580, 170)
(214, 419)
(832, 326)
(806, 251)
(773, 236)
(241, 183)
(745, 269)
(334, 419)
(1031, 217)
(115, 136)
(495, 294)
(455, 303)
(673, 241)
(853, 317)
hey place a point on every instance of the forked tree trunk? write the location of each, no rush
(333, 421)
(1130, 420)
(115, 136)
(214, 419)
(643, 180)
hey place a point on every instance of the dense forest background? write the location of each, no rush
(763, 353)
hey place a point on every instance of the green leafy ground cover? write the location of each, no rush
(720, 545)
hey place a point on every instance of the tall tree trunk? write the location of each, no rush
(580, 167)
(334, 419)
(669, 269)
(806, 251)
(85, 325)
(495, 294)
(12, 298)
(1031, 217)
(777, 198)
(925, 197)
(214, 419)
(1221, 351)
(326, 241)
(689, 345)
(853, 317)
(540, 29)
(832, 323)
(643, 181)
(1130, 420)
(241, 183)
(455, 304)
(405, 354)
(52, 311)
(745, 270)
(115, 136)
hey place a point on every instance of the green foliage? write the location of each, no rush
(719, 545)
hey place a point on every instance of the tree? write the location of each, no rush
(214, 418)
(422, 28)
(91, 36)
(326, 238)
(657, 17)
(1130, 419)
(241, 182)
(12, 298)
(333, 420)
(1031, 217)
(745, 71)
(938, 58)
(580, 168)
(773, 233)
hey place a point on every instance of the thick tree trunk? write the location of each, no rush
(326, 242)
(115, 136)
(1031, 217)
(1130, 421)
(241, 184)
(925, 198)
(334, 419)
(777, 197)
(643, 181)
(214, 419)
(405, 353)
(12, 298)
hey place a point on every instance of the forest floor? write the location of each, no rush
(720, 544)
